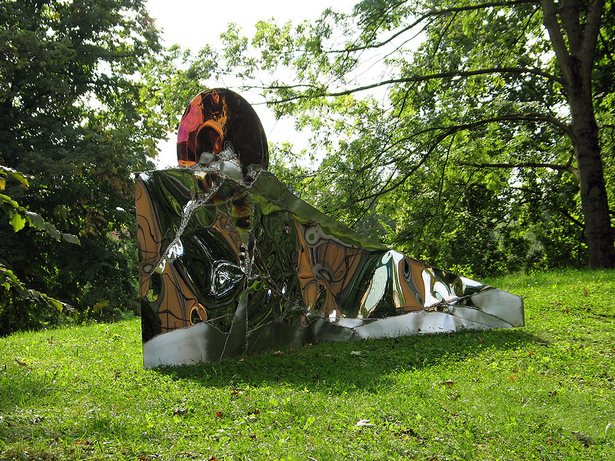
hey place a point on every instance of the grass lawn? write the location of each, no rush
(546, 391)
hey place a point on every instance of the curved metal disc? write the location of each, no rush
(217, 119)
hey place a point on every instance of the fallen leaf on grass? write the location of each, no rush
(219, 414)
(82, 442)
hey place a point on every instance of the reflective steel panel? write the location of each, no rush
(232, 263)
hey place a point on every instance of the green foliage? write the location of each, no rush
(605, 100)
(25, 308)
(171, 79)
(19, 216)
(464, 155)
(544, 391)
(74, 116)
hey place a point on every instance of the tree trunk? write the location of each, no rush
(575, 56)
(594, 201)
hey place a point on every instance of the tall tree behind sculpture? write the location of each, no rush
(497, 107)
(580, 23)
(73, 116)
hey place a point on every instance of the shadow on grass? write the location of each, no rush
(364, 365)
(20, 386)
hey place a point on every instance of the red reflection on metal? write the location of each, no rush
(216, 119)
(202, 128)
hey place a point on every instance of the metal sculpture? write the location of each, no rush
(231, 262)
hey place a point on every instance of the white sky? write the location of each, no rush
(193, 23)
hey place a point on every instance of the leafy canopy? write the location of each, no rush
(444, 128)
(77, 118)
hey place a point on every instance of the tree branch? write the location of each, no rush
(452, 129)
(372, 24)
(557, 40)
(431, 14)
(401, 180)
(529, 117)
(570, 14)
(411, 79)
(551, 166)
(563, 211)
(590, 36)
(574, 220)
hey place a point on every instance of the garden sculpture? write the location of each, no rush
(231, 262)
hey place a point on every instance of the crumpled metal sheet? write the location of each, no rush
(234, 264)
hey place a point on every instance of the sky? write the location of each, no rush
(187, 23)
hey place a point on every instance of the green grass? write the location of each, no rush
(546, 391)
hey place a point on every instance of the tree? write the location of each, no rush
(575, 57)
(500, 97)
(73, 114)
(18, 312)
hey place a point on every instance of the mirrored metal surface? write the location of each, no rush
(232, 263)
(216, 119)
